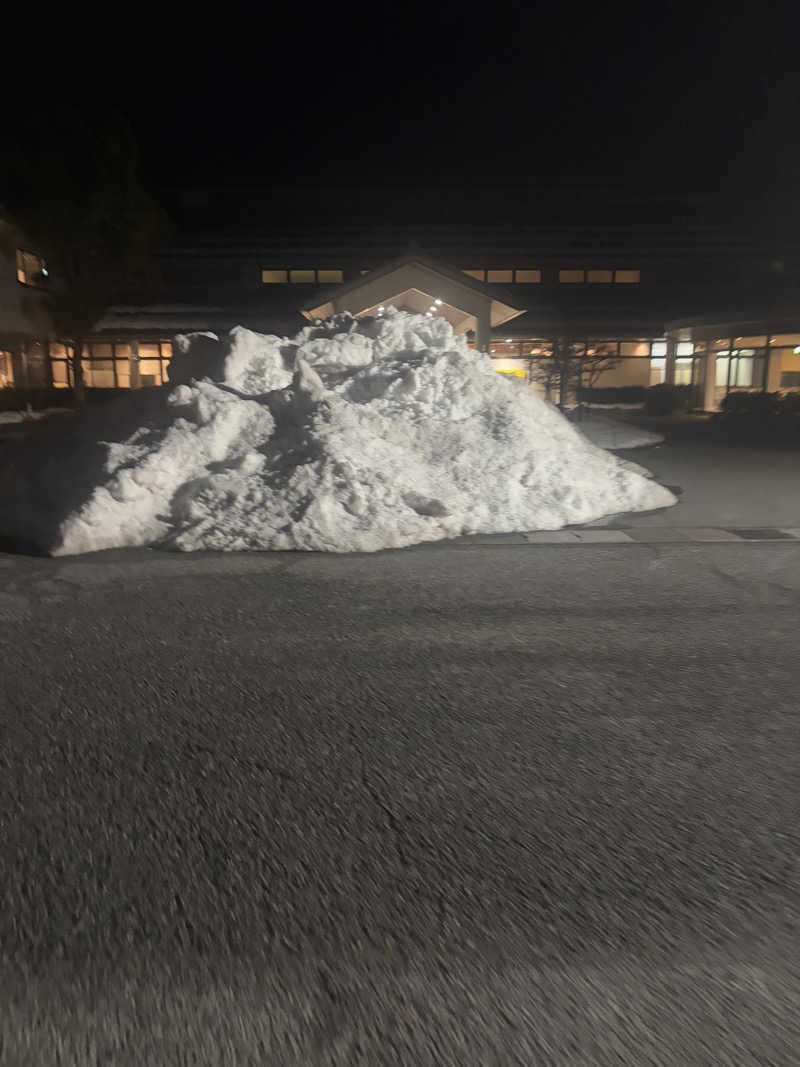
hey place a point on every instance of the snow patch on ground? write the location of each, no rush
(612, 434)
(356, 435)
(8, 418)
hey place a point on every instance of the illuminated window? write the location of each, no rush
(658, 370)
(499, 275)
(529, 276)
(60, 368)
(572, 277)
(634, 348)
(31, 269)
(604, 277)
(721, 378)
(785, 339)
(329, 277)
(62, 374)
(683, 371)
(627, 277)
(122, 362)
(658, 348)
(273, 277)
(742, 372)
(6, 370)
(150, 365)
(98, 373)
(479, 274)
(684, 348)
(301, 276)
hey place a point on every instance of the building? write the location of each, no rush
(670, 295)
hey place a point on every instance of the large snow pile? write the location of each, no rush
(356, 435)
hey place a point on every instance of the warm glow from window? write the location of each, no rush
(634, 348)
(627, 277)
(479, 274)
(98, 373)
(658, 371)
(301, 276)
(329, 277)
(604, 277)
(683, 371)
(684, 348)
(273, 277)
(31, 269)
(499, 275)
(529, 276)
(572, 277)
(658, 348)
(6, 370)
(62, 379)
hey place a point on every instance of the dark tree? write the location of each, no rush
(572, 367)
(70, 183)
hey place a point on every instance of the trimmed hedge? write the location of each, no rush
(758, 405)
(665, 399)
(39, 399)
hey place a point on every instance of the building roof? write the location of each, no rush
(414, 269)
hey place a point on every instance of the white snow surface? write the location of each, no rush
(356, 435)
(7, 418)
(611, 433)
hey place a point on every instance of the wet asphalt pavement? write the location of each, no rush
(453, 805)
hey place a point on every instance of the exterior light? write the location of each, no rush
(437, 300)
(796, 350)
(381, 308)
(508, 340)
(432, 307)
(45, 271)
(429, 314)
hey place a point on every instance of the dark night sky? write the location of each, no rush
(654, 100)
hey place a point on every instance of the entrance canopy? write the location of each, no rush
(416, 283)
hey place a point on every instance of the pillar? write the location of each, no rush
(669, 366)
(483, 335)
(772, 377)
(710, 380)
(134, 364)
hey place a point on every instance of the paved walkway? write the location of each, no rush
(721, 484)
(598, 535)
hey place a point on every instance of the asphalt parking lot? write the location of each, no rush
(490, 804)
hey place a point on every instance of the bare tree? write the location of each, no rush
(71, 184)
(572, 367)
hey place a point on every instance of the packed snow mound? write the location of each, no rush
(356, 435)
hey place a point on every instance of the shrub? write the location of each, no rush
(18, 399)
(752, 405)
(790, 404)
(665, 399)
